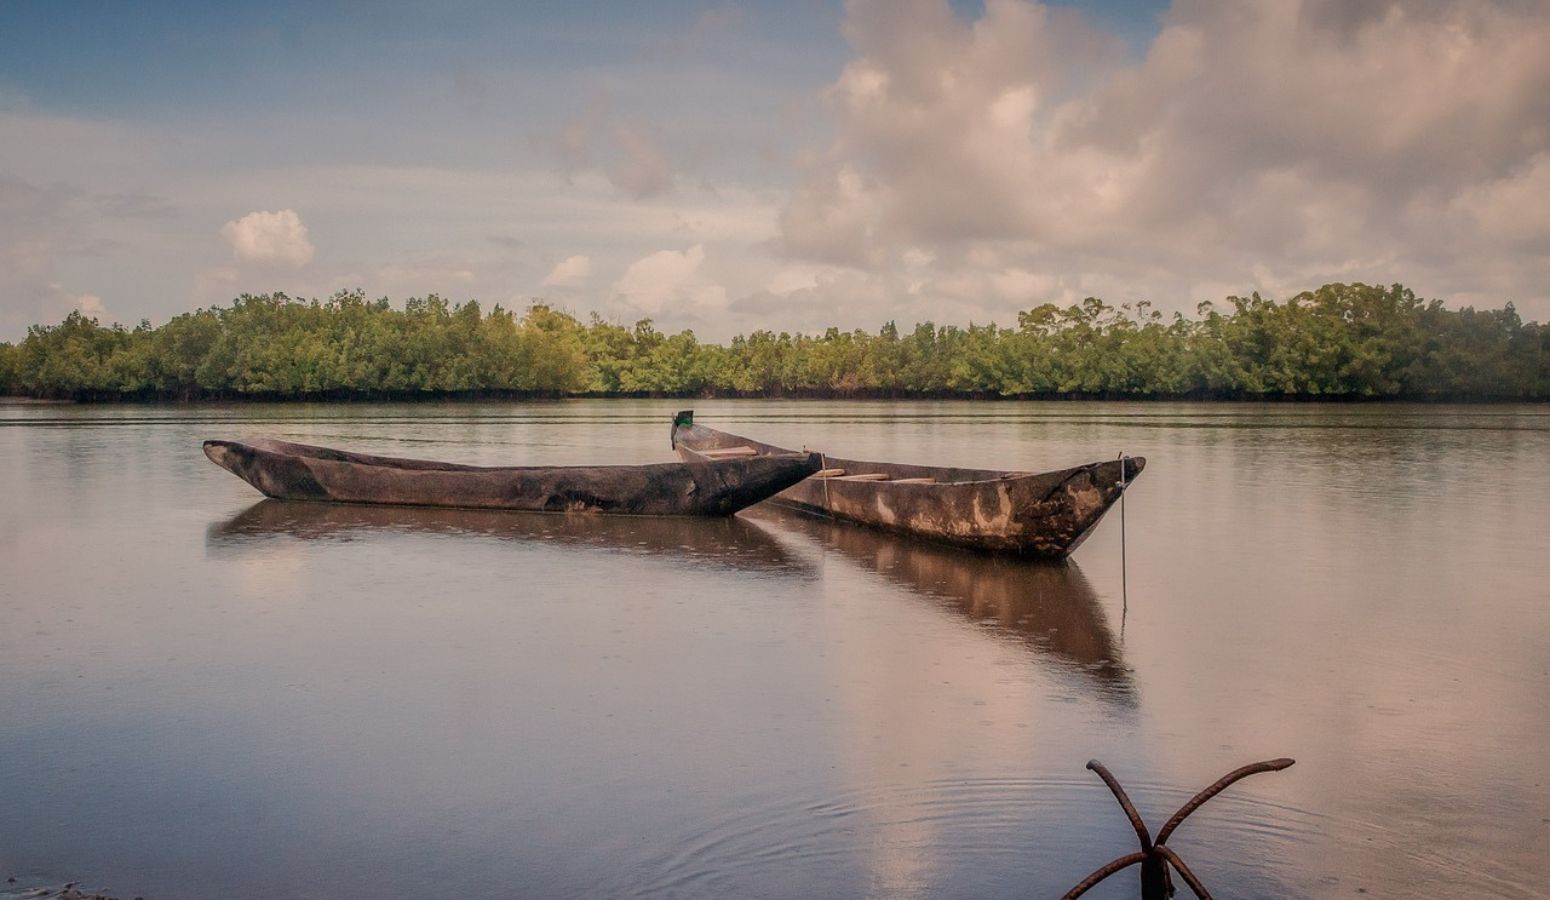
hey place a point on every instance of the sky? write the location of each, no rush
(795, 165)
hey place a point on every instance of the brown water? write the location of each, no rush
(204, 695)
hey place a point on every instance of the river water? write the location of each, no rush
(207, 696)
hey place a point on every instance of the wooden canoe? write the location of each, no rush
(289, 471)
(1044, 514)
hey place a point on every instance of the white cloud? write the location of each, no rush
(91, 306)
(570, 272)
(62, 302)
(1270, 145)
(278, 238)
(669, 281)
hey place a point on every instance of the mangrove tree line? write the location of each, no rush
(1340, 341)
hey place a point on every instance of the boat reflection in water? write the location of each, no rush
(727, 541)
(1050, 605)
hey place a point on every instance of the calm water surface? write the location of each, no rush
(204, 695)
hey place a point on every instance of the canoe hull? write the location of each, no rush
(1045, 514)
(289, 471)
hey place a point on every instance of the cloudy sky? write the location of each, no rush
(730, 166)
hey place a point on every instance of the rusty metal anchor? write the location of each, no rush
(1155, 857)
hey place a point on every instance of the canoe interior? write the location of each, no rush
(311, 451)
(699, 438)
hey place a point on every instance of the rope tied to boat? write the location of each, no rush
(827, 507)
(1124, 581)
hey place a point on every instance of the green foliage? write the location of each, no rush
(10, 360)
(1340, 341)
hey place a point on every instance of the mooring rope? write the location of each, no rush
(1124, 581)
(828, 508)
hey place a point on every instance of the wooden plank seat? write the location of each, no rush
(867, 476)
(729, 452)
(914, 481)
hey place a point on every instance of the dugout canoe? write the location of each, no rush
(1045, 514)
(287, 471)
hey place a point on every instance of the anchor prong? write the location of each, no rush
(1156, 858)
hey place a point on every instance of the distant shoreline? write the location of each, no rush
(462, 397)
(1339, 343)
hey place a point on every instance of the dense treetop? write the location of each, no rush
(1340, 341)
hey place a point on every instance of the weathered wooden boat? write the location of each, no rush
(288, 471)
(1029, 513)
